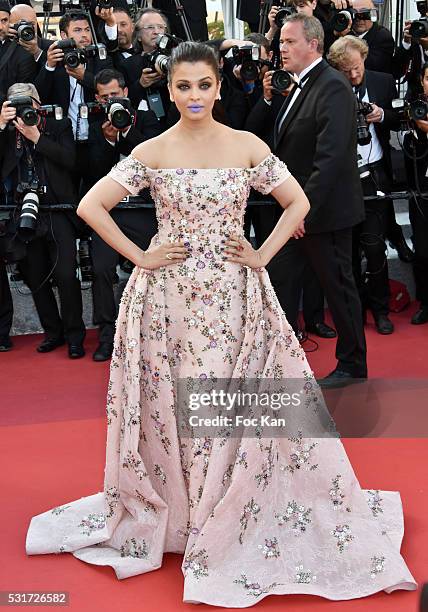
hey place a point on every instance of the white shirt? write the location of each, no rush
(371, 152)
(76, 98)
(297, 91)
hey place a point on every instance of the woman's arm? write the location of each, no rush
(94, 209)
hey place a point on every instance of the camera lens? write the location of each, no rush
(342, 21)
(72, 59)
(419, 28)
(419, 110)
(26, 33)
(29, 213)
(119, 117)
(29, 116)
(281, 80)
(249, 71)
(282, 15)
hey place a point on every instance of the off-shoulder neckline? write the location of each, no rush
(200, 169)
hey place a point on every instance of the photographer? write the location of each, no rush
(362, 22)
(415, 145)
(37, 154)
(411, 55)
(376, 119)
(147, 88)
(125, 34)
(23, 18)
(107, 145)
(16, 64)
(67, 78)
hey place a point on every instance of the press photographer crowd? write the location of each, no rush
(318, 81)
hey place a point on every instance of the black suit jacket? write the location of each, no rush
(381, 49)
(54, 156)
(54, 85)
(382, 91)
(318, 142)
(20, 68)
(104, 156)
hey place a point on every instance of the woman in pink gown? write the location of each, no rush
(253, 516)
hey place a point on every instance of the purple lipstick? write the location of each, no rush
(195, 108)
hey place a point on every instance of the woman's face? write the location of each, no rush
(194, 89)
(425, 82)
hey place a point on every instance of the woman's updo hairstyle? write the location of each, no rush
(193, 52)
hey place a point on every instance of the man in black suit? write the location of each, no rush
(38, 46)
(315, 135)
(147, 88)
(16, 64)
(125, 34)
(69, 87)
(377, 88)
(106, 146)
(45, 154)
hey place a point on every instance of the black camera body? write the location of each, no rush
(408, 112)
(363, 133)
(29, 114)
(419, 28)
(104, 4)
(74, 56)
(117, 110)
(248, 57)
(24, 30)
(343, 19)
(158, 59)
(284, 11)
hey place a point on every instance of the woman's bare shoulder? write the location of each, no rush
(252, 147)
(150, 152)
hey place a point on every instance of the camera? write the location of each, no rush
(24, 30)
(158, 59)
(248, 57)
(117, 110)
(29, 114)
(281, 80)
(284, 12)
(410, 111)
(345, 18)
(363, 132)
(419, 28)
(73, 56)
(28, 216)
(104, 4)
(85, 261)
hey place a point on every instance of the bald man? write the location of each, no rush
(379, 39)
(38, 46)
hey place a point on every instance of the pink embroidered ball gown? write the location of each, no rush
(252, 517)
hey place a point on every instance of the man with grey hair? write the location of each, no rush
(315, 135)
(39, 159)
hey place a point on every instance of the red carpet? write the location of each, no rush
(52, 441)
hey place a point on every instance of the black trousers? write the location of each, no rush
(57, 248)
(369, 239)
(330, 256)
(6, 303)
(263, 218)
(418, 213)
(139, 226)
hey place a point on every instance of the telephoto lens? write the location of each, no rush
(281, 80)
(119, 116)
(29, 213)
(85, 262)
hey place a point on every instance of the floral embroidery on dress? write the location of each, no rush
(267, 468)
(59, 510)
(297, 515)
(336, 494)
(131, 548)
(132, 463)
(160, 472)
(197, 563)
(254, 588)
(188, 530)
(377, 566)
(251, 509)
(270, 548)
(93, 522)
(300, 455)
(160, 429)
(112, 498)
(241, 458)
(304, 576)
(343, 535)
(375, 501)
(147, 506)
